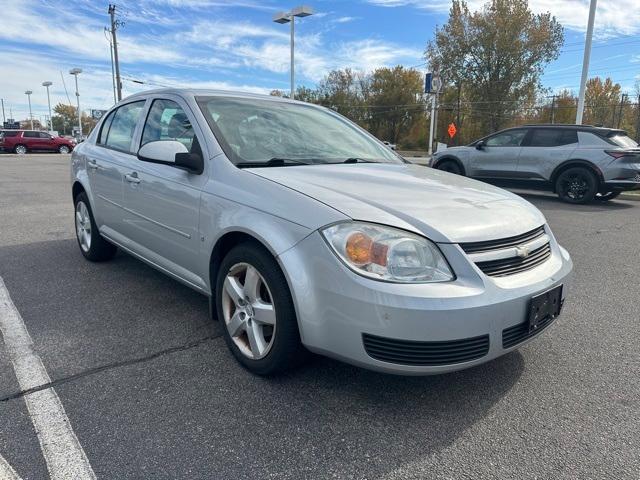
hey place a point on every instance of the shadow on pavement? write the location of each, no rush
(196, 412)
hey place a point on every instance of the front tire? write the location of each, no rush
(63, 149)
(92, 245)
(256, 310)
(449, 166)
(577, 185)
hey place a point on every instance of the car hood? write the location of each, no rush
(445, 207)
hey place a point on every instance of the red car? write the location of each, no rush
(23, 141)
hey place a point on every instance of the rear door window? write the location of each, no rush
(549, 137)
(123, 126)
(10, 134)
(31, 135)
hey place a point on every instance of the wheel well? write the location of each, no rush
(451, 159)
(222, 247)
(576, 163)
(76, 190)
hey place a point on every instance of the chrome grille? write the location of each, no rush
(508, 256)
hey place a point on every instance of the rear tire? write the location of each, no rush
(450, 166)
(606, 196)
(577, 185)
(259, 324)
(92, 245)
(20, 149)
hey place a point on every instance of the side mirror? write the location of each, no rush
(171, 152)
(161, 151)
(480, 145)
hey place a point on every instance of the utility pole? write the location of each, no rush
(585, 61)
(107, 31)
(622, 100)
(638, 120)
(114, 26)
(553, 108)
(4, 119)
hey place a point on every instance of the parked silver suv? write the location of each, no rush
(580, 163)
(305, 231)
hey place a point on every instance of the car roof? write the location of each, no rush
(207, 92)
(582, 128)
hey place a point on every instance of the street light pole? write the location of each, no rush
(285, 17)
(75, 72)
(28, 94)
(47, 85)
(585, 61)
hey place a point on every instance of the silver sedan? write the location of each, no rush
(308, 234)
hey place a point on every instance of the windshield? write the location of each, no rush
(623, 141)
(254, 131)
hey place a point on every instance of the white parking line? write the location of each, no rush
(6, 472)
(64, 456)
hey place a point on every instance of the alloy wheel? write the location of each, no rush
(248, 311)
(63, 149)
(83, 226)
(575, 186)
(21, 149)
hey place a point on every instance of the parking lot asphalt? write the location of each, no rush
(151, 391)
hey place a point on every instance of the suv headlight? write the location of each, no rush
(386, 253)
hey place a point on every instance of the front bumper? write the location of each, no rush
(339, 311)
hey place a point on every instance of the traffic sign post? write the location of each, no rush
(434, 84)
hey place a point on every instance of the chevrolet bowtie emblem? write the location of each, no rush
(522, 252)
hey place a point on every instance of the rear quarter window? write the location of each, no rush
(10, 134)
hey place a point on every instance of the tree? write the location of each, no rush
(345, 91)
(496, 55)
(394, 97)
(602, 100)
(65, 118)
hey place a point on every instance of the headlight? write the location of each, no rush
(385, 253)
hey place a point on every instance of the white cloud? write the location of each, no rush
(613, 17)
(50, 27)
(346, 19)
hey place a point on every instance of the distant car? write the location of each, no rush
(578, 162)
(23, 141)
(392, 146)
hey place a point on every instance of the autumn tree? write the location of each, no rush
(496, 55)
(65, 118)
(394, 98)
(601, 99)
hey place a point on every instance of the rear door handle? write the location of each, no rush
(132, 177)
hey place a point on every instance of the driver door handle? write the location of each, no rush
(92, 164)
(132, 177)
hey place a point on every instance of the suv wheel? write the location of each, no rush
(255, 306)
(63, 149)
(577, 185)
(449, 166)
(606, 196)
(20, 149)
(92, 245)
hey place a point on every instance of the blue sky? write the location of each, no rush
(235, 45)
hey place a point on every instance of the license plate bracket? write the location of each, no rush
(544, 307)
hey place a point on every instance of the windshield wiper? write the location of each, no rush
(274, 162)
(358, 160)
